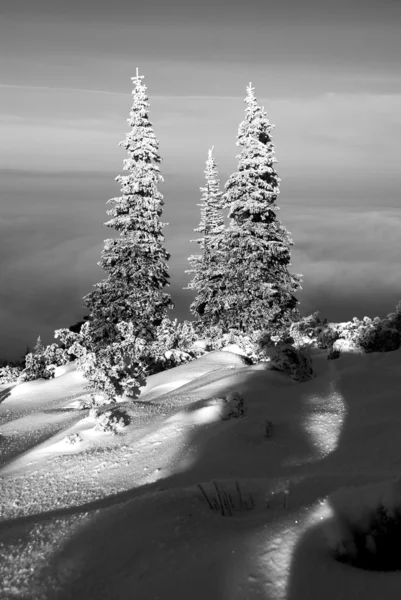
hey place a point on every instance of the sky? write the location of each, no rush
(328, 75)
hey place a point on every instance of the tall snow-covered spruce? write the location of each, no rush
(255, 288)
(205, 265)
(127, 306)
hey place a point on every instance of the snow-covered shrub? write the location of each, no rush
(333, 354)
(112, 370)
(41, 363)
(73, 439)
(346, 345)
(252, 345)
(326, 337)
(10, 374)
(215, 336)
(395, 317)
(36, 367)
(371, 335)
(174, 344)
(110, 421)
(92, 401)
(305, 331)
(297, 363)
(54, 355)
(234, 407)
(380, 337)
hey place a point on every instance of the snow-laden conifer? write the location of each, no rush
(126, 307)
(38, 348)
(204, 265)
(256, 289)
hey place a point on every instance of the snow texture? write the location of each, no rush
(185, 504)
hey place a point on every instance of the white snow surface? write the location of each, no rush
(128, 516)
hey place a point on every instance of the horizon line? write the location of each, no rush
(104, 92)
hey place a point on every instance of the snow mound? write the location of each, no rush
(297, 363)
(71, 366)
(168, 381)
(211, 410)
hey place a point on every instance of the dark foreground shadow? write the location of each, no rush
(5, 393)
(140, 549)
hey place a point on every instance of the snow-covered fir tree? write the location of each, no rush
(38, 348)
(255, 288)
(126, 307)
(204, 265)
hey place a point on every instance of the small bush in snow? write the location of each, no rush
(234, 407)
(381, 337)
(372, 335)
(227, 502)
(252, 345)
(41, 363)
(114, 369)
(304, 332)
(92, 401)
(111, 421)
(333, 354)
(173, 345)
(326, 337)
(54, 355)
(297, 363)
(10, 374)
(73, 439)
(36, 368)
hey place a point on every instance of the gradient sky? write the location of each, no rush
(328, 74)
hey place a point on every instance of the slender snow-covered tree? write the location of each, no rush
(38, 348)
(255, 288)
(126, 307)
(211, 227)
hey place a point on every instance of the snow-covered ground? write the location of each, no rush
(128, 516)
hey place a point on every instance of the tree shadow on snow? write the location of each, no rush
(5, 393)
(361, 455)
(111, 556)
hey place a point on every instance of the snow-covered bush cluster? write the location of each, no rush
(253, 345)
(333, 354)
(305, 332)
(111, 369)
(233, 406)
(110, 421)
(41, 363)
(54, 355)
(294, 361)
(10, 374)
(174, 344)
(73, 439)
(36, 368)
(373, 335)
(357, 335)
(92, 401)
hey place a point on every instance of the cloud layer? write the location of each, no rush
(330, 79)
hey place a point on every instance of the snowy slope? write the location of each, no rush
(124, 516)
